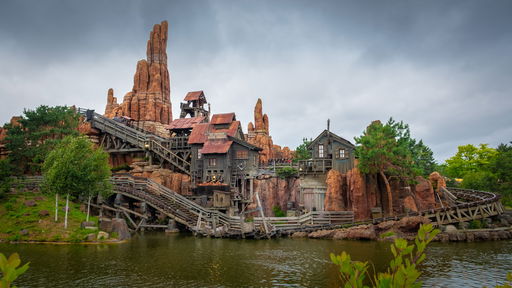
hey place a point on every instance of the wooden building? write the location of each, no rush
(221, 157)
(329, 151)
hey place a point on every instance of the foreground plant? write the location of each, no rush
(9, 269)
(402, 270)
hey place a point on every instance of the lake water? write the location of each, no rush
(159, 260)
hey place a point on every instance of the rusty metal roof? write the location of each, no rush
(199, 134)
(185, 123)
(194, 95)
(225, 118)
(216, 146)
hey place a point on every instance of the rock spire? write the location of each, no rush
(150, 98)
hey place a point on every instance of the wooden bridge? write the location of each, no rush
(120, 137)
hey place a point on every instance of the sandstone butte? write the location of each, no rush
(150, 98)
(259, 135)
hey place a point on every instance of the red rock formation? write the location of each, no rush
(410, 204)
(424, 194)
(149, 99)
(333, 197)
(437, 181)
(259, 135)
(276, 192)
(112, 107)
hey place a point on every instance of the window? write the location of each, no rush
(199, 155)
(212, 162)
(242, 154)
(321, 151)
(342, 153)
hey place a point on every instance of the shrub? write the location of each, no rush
(286, 172)
(402, 270)
(10, 270)
(278, 212)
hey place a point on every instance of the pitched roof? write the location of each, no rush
(216, 146)
(185, 123)
(225, 118)
(334, 136)
(199, 134)
(194, 95)
(244, 143)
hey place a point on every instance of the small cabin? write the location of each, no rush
(329, 151)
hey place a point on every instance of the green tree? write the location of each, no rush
(5, 173)
(77, 169)
(36, 133)
(302, 152)
(470, 158)
(502, 169)
(10, 270)
(402, 271)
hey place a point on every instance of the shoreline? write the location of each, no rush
(109, 242)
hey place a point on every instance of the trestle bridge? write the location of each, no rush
(137, 199)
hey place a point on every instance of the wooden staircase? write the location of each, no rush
(137, 138)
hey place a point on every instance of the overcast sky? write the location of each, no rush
(443, 67)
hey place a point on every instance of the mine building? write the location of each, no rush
(220, 155)
(193, 105)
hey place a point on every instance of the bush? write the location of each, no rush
(402, 270)
(475, 224)
(10, 270)
(278, 212)
(286, 172)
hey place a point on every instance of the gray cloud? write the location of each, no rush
(443, 67)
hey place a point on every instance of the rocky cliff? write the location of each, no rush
(355, 191)
(149, 99)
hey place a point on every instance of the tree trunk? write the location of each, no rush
(66, 215)
(388, 190)
(88, 208)
(56, 206)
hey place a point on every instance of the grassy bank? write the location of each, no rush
(30, 216)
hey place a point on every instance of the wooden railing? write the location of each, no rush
(314, 166)
(162, 147)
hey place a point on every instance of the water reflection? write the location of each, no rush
(158, 260)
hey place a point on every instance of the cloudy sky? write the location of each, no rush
(444, 67)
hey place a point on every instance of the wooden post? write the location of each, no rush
(198, 225)
(66, 215)
(262, 214)
(88, 209)
(56, 206)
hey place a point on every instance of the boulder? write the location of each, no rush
(322, 234)
(362, 232)
(463, 225)
(411, 224)
(106, 224)
(102, 235)
(30, 203)
(91, 237)
(299, 235)
(424, 194)
(410, 204)
(44, 213)
(86, 224)
(450, 229)
(120, 227)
